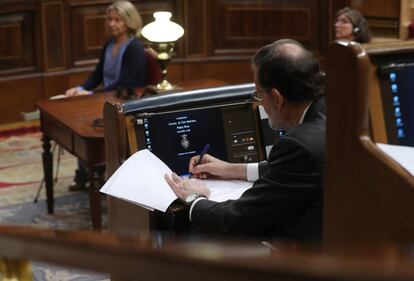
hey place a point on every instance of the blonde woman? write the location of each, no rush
(122, 61)
(121, 64)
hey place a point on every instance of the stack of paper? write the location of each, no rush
(140, 180)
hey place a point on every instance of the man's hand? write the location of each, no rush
(183, 188)
(211, 166)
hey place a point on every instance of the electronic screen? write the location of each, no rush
(176, 137)
(397, 85)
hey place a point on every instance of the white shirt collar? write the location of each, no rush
(304, 113)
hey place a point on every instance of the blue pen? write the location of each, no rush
(203, 152)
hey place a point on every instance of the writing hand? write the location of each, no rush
(209, 166)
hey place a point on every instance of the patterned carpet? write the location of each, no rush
(20, 175)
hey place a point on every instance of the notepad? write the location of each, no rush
(140, 180)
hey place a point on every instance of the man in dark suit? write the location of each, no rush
(285, 200)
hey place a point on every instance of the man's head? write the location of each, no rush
(288, 78)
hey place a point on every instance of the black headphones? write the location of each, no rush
(357, 29)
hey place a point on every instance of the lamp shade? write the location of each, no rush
(162, 29)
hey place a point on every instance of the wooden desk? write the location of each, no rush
(69, 122)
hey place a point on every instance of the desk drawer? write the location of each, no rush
(57, 132)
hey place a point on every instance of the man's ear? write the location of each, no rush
(278, 99)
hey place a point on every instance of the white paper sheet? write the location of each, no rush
(222, 190)
(140, 180)
(403, 155)
(57, 97)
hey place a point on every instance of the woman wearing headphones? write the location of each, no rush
(351, 25)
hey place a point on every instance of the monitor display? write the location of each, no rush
(397, 87)
(175, 137)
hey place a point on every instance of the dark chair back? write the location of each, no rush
(153, 70)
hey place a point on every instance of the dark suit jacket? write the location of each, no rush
(132, 69)
(286, 201)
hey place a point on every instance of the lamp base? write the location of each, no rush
(154, 90)
(164, 86)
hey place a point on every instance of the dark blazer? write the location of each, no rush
(286, 201)
(132, 69)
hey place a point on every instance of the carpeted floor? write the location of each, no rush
(20, 176)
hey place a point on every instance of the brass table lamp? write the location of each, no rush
(164, 33)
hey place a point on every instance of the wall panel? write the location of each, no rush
(87, 33)
(53, 36)
(196, 25)
(246, 25)
(382, 16)
(234, 72)
(18, 96)
(17, 46)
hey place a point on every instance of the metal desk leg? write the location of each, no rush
(47, 159)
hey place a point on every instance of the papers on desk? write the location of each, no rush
(57, 97)
(223, 190)
(403, 155)
(140, 180)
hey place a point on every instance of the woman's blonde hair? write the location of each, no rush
(129, 13)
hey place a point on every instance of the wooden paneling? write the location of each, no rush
(54, 84)
(229, 72)
(94, 37)
(77, 78)
(378, 8)
(53, 35)
(58, 42)
(17, 46)
(17, 96)
(196, 25)
(148, 7)
(88, 33)
(234, 72)
(12, 44)
(382, 16)
(247, 25)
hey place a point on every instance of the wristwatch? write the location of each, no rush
(190, 198)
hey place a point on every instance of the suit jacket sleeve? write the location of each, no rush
(262, 167)
(273, 204)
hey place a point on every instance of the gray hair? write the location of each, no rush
(288, 66)
(129, 13)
